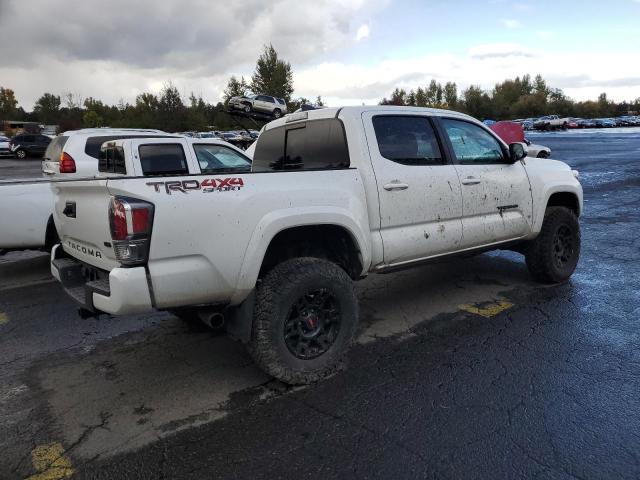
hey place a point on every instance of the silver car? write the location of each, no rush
(273, 106)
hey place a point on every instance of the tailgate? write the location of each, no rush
(82, 218)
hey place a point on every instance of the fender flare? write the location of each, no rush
(277, 221)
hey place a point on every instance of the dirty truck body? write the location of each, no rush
(332, 196)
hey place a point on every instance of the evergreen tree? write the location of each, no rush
(272, 76)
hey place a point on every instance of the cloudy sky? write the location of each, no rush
(347, 51)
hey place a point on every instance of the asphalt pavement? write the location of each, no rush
(462, 369)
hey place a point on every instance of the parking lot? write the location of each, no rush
(462, 369)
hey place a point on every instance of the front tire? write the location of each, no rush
(246, 108)
(277, 113)
(543, 154)
(553, 256)
(21, 154)
(305, 318)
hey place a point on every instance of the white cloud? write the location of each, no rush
(363, 32)
(581, 76)
(511, 23)
(546, 34)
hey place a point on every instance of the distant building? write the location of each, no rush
(14, 127)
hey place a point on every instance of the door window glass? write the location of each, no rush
(407, 139)
(472, 144)
(216, 158)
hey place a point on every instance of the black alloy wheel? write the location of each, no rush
(312, 325)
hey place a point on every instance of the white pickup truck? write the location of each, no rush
(332, 195)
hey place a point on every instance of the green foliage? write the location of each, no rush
(272, 76)
(91, 119)
(235, 88)
(514, 98)
(8, 103)
(47, 108)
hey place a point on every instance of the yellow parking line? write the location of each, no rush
(487, 309)
(3, 318)
(50, 462)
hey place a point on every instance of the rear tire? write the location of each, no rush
(21, 154)
(306, 314)
(553, 256)
(277, 113)
(543, 154)
(246, 108)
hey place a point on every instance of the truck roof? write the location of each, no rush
(110, 131)
(332, 112)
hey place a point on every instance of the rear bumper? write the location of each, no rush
(121, 291)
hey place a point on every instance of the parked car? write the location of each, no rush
(586, 123)
(604, 123)
(550, 122)
(76, 152)
(5, 149)
(267, 104)
(537, 151)
(351, 191)
(29, 145)
(230, 137)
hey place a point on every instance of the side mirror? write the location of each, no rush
(517, 152)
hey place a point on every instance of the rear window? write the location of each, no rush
(112, 160)
(163, 159)
(54, 150)
(92, 147)
(314, 145)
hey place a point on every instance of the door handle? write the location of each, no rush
(470, 181)
(396, 186)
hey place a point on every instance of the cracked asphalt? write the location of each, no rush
(543, 385)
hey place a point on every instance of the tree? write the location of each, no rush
(8, 103)
(398, 97)
(272, 76)
(421, 97)
(47, 108)
(92, 120)
(451, 95)
(477, 103)
(171, 111)
(411, 98)
(235, 88)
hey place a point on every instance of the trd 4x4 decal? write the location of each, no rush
(208, 185)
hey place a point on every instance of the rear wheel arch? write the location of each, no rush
(331, 242)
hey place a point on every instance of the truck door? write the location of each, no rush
(419, 191)
(496, 195)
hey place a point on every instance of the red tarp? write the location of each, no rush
(510, 132)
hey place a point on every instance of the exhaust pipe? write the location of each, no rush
(213, 320)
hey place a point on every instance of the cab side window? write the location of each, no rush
(314, 145)
(407, 139)
(472, 144)
(163, 159)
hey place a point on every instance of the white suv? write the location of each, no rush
(76, 152)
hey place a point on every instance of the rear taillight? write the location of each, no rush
(130, 221)
(67, 163)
